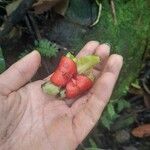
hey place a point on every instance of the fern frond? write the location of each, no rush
(46, 48)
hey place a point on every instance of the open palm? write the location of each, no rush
(32, 120)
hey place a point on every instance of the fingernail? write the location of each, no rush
(106, 46)
(35, 51)
(109, 45)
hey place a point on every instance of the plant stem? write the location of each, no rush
(113, 11)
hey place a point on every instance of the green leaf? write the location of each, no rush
(2, 62)
(122, 104)
(111, 111)
(93, 144)
(136, 85)
(123, 122)
(105, 121)
(12, 6)
(87, 62)
(50, 89)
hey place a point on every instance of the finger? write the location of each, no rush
(103, 52)
(19, 73)
(88, 49)
(85, 120)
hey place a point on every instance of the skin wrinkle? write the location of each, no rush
(87, 110)
(64, 115)
(99, 100)
(9, 111)
(21, 72)
(6, 134)
(74, 123)
(29, 131)
(31, 114)
(100, 103)
(78, 107)
(12, 104)
(44, 127)
(76, 126)
(73, 129)
(4, 90)
(18, 121)
(2, 114)
(105, 86)
(48, 135)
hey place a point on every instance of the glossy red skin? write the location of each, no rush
(67, 65)
(72, 90)
(84, 83)
(59, 79)
(65, 71)
(77, 86)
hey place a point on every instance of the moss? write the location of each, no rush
(127, 37)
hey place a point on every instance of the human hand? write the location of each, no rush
(32, 120)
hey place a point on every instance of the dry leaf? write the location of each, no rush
(43, 5)
(61, 7)
(141, 131)
(12, 6)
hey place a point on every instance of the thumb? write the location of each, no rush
(19, 73)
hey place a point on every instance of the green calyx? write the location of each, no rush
(50, 89)
(85, 64)
(69, 55)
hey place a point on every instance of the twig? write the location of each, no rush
(28, 24)
(113, 11)
(15, 17)
(99, 13)
(35, 27)
(146, 87)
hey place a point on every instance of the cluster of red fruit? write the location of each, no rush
(67, 77)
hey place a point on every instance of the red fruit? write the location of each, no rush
(72, 90)
(65, 71)
(58, 78)
(77, 86)
(84, 83)
(67, 66)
